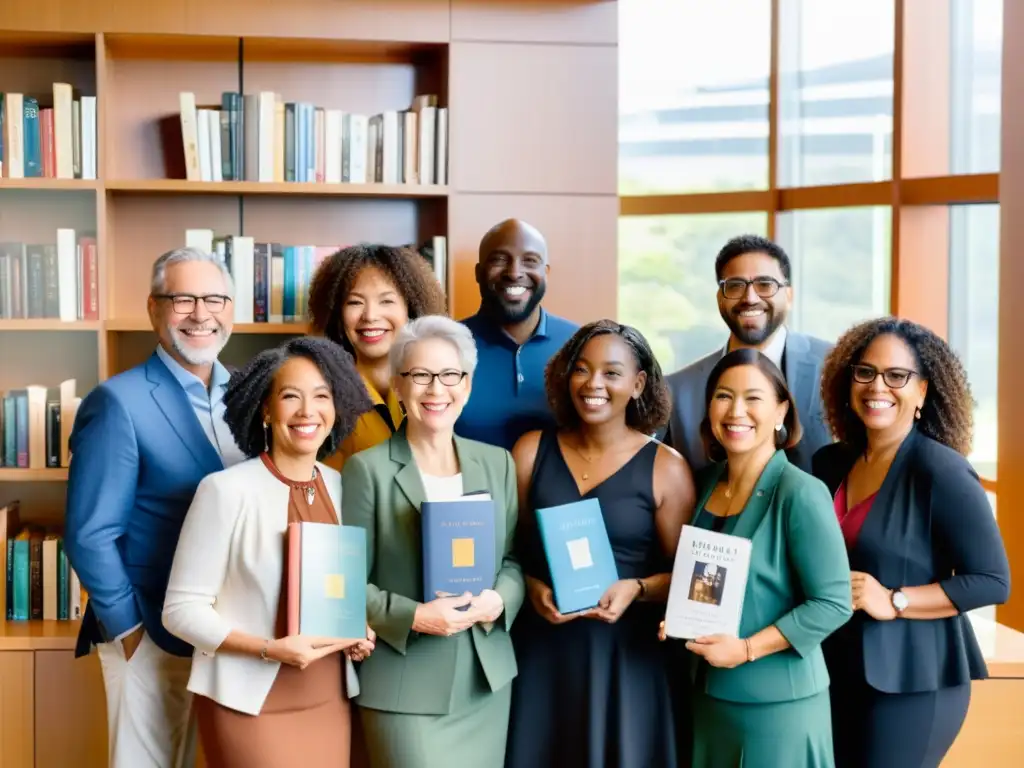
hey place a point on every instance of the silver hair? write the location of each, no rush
(434, 327)
(158, 282)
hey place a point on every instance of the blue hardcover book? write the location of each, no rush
(327, 580)
(459, 548)
(579, 554)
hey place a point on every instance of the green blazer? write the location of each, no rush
(799, 580)
(382, 492)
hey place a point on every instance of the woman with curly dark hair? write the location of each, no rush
(264, 697)
(923, 544)
(360, 298)
(582, 674)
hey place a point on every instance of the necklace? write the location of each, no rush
(586, 475)
(311, 489)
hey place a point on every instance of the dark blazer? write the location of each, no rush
(930, 522)
(802, 363)
(382, 491)
(798, 580)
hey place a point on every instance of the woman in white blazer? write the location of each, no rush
(263, 698)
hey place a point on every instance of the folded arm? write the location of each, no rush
(817, 553)
(966, 531)
(390, 615)
(101, 488)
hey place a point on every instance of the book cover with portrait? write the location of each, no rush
(709, 580)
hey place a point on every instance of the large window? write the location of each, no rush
(863, 137)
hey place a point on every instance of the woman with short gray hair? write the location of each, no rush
(437, 690)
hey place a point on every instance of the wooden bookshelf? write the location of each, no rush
(532, 134)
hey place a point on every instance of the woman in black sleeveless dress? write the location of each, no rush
(593, 689)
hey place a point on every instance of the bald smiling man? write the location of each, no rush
(515, 337)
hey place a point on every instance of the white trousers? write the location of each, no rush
(149, 720)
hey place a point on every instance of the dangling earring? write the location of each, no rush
(266, 437)
(917, 412)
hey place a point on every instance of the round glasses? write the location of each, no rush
(736, 287)
(426, 378)
(895, 378)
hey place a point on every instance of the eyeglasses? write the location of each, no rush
(896, 378)
(426, 378)
(736, 287)
(185, 303)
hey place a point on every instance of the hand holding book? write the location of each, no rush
(543, 600)
(616, 599)
(302, 650)
(442, 616)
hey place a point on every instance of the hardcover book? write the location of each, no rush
(327, 580)
(578, 552)
(459, 547)
(709, 581)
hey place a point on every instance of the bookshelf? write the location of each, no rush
(532, 134)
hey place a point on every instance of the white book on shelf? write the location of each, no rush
(14, 135)
(428, 145)
(205, 145)
(199, 238)
(89, 145)
(243, 273)
(355, 147)
(67, 275)
(334, 120)
(266, 133)
(63, 141)
(213, 127)
(441, 149)
(709, 581)
(189, 133)
(391, 151)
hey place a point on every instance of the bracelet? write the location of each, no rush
(643, 588)
(263, 651)
(750, 650)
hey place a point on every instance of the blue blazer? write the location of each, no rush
(138, 453)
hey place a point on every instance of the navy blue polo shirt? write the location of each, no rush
(508, 397)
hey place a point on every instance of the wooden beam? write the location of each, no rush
(709, 202)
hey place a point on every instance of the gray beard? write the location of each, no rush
(192, 356)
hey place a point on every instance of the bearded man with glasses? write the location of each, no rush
(754, 296)
(141, 442)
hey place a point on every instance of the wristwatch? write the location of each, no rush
(899, 601)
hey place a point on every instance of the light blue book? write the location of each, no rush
(327, 580)
(578, 552)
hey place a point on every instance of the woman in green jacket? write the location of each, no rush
(761, 699)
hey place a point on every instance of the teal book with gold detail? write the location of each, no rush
(326, 580)
(459, 548)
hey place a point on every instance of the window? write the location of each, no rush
(976, 46)
(841, 266)
(667, 286)
(835, 91)
(974, 318)
(693, 95)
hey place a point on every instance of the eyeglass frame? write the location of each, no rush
(413, 374)
(884, 374)
(779, 284)
(173, 298)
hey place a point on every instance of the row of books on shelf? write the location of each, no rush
(272, 279)
(57, 141)
(35, 424)
(260, 137)
(38, 581)
(51, 280)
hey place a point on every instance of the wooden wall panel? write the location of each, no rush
(582, 236)
(534, 118)
(326, 221)
(536, 21)
(70, 730)
(417, 20)
(17, 710)
(991, 734)
(1011, 275)
(33, 216)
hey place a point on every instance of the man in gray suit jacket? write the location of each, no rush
(754, 296)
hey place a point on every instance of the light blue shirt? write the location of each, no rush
(208, 405)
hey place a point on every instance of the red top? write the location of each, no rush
(851, 521)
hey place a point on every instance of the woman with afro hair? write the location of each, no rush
(264, 697)
(360, 298)
(923, 544)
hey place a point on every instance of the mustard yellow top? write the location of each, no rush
(373, 427)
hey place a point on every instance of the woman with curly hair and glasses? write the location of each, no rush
(263, 697)
(360, 298)
(923, 545)
(593, 687)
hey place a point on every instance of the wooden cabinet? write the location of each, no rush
(17, 710)
(70, 711)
